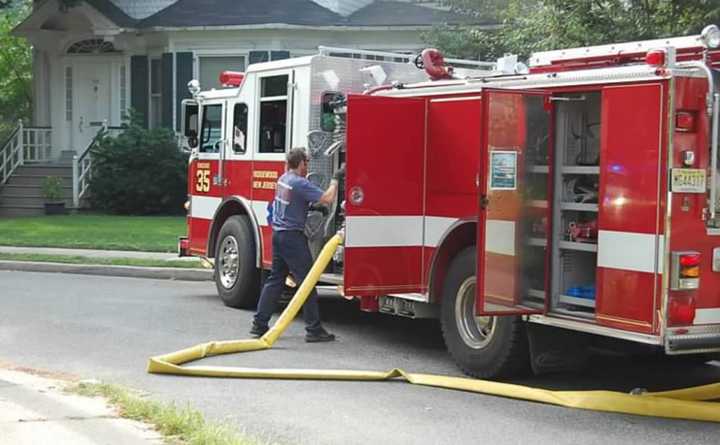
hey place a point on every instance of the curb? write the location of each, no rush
(160, 273)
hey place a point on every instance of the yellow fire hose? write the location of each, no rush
(691, 403)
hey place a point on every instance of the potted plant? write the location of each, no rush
(53, 194)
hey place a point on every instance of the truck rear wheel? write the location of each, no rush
(236, 277)
(482, 346)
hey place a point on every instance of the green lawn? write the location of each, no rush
(144, 233)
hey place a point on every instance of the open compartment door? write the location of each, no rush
(515, 210)
(384, 207)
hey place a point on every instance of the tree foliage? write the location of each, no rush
(139, 172)
(536, 25)
(15, 69)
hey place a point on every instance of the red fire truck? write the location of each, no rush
(535, 210)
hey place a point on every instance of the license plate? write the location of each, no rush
(688, 180)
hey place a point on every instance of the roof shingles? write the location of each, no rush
(209, 13)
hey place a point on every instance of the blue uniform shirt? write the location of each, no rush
(293, 195)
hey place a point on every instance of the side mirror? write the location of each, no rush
(190, 123)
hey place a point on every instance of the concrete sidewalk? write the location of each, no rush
(170, 273)
(92, 253)
(35, 410)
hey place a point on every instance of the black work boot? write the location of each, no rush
(319, 336)
(258, 331)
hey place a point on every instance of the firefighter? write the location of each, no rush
(293, 196)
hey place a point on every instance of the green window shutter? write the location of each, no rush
(166, 90)
(279, 55)
(139, 87)
(258, 56)
(184, 68)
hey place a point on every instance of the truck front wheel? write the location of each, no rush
(482, 346)
(236, 277)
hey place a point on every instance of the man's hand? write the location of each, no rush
(339, 173)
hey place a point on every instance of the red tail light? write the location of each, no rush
(685, 121)
(681, 310)
(685, 274)
(690, 259)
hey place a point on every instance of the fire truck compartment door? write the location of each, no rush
(514, 219)
(384, 195)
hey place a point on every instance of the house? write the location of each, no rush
(95, 59)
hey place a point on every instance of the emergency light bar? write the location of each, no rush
(231, 78)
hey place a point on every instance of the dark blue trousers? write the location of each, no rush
(290, 254)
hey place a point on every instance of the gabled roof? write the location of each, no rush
(218, 13)
(191, 13)
(112, 12)
(389, 13)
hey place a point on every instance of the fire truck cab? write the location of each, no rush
(534, 211)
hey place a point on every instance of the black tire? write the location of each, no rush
(238, 283)
(503, 349)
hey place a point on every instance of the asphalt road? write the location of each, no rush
(106, 328)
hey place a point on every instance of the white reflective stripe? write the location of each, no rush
(204, 206)
(707, 316)
(261, 213)
(500, 237)
(435, 229)
(384, 231)
(630, 251)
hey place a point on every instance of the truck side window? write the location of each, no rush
(211, 129)
(273, 114)
(240, 122)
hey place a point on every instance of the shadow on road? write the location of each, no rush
(604, 371)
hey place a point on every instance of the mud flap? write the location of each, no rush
(557, 350)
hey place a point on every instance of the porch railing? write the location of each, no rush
(25, 144)
(37, 144)
(82, 164)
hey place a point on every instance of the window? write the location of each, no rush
(68, 93)
(91, 46)
(240, 122)
(327, 116)
(273, 114)
(211, 129)
(123, 91)
(266, 56)
(155, 93)
(211, 67)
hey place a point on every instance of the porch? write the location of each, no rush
(26, 160)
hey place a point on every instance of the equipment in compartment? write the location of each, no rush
(575, 204)
(583, 232)
(581, 189)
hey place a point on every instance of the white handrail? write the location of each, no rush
(11, 154)
(81, 172)
(82, 165)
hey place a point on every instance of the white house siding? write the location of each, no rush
(140, 9)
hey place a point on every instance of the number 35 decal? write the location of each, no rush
(203, 180)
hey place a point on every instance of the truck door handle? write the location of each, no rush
(484, 201)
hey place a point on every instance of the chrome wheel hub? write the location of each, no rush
(475, 331)
(228, 261)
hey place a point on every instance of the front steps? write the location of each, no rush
(22, 194)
